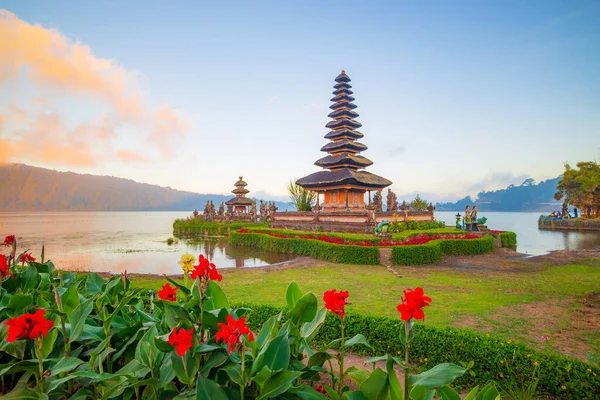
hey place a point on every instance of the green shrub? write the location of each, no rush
(343, 254)
(508, 239)
(417, 254)
(197, 226)
(455, 345)
(467, 247)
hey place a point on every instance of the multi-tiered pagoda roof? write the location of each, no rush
(343, 166)
(240, 191)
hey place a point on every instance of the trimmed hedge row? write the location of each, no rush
(495, 359)
(198, 226)
(343, 254)
(433, 251)
(508, 239)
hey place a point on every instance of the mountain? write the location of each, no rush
(529, 196)
(27, 188)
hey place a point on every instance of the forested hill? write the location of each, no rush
(27, 188)
(529, 196)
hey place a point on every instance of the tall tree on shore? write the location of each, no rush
(418, 204)
(303, 199)
(580, 187)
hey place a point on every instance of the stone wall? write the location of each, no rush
(340, 221)
(570, 225)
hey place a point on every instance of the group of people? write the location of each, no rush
(470, 215)
(564, 214)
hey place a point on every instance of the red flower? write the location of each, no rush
(320, 389)
(412, 304)
(206, 269)
(168, 293)
(335, 302)
(231, 332)
(9, 240)
(4, 268)
(182, 340)
(28, 326)
(25, 258)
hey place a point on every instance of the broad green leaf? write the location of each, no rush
(216, 359)
(319, 359)
(166, 373)
(82, 394)
(78, 317)
(309, 330)
(234, 371)
(15, 349)
(411, 332)
(146, 351)
(396, 392)
(447, 393)
(358, 375)
(94, 284)
(181, 287)
(277, 355)
(354, 396)
(70, 299)
(175, 313)
(472, 393)
(304, 310)
(207, 389)
(376, 387)
(18, 303)
(262, 377)
(293, 294)
(48, 342)
(216, 298)
(29, 278)
(421, 393)
(266, 333)
(134, 368)
(278, 384)
(309, 393)
(357, 339)
(185, 367)
(65, 364)
(25, 394)
(438, 376)
(488, 392)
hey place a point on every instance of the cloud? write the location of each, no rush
(50, 62)
(396, 151)
(495, 181)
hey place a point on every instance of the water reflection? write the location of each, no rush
(118, 241)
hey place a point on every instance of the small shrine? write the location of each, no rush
(240, 204)
(343, 180)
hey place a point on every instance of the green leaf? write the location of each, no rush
(438, 376)
(94, 284)
(48, 342)
(29, 278)
(411, 332)
(66, 364)
(319, 359)
(357, 339)
(18, 303)
(185, 367)
(78, 317)
(396, 392)
(166, 373)
(309, 330)
(262, 377)
(447, 393)
(266, 333)
(207, 389)
(70, 299)
(216, 298)
(216, 359)
(304, 310)
(309, 393)
(354, 396)
(278, 384)
(146, 351)
(293, 294)
(25, 394)
(358, 375)
(488, 392)
(277, 355)
(421, 393)
(376, 387)
(472, 393)
(234, 371)
(183, 288)
(15, 349)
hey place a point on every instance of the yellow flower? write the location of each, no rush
(563, 387)
(398, 352)
(501, 361)
(502, 344)
(420, 360)
(509, 341)
(593, 373)
(535, 363)
(403, 362)
(528, 355)
(501, 375)
(187, 263)
(426, 359)
(476, 338)
(589, 370)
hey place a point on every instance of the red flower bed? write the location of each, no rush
(418, 239)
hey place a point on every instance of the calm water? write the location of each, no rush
(115, 241)
(530, 239)
(136, 241)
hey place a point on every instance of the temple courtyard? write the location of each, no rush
(550, 301)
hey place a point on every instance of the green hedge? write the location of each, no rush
(358, 237)
(495, 358)
(342, 254)
(196, 226)
(508, 239)
(433, 251)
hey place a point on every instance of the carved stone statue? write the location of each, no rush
(221, 209)
(431, 208)
(253, 212)
(195, 213)
(263, 211)
(392, 201)
(378, 200)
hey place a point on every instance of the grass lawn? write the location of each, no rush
(518, 300)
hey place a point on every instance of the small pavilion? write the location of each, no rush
(343, 180)
(240, 204)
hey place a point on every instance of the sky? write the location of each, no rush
(454, 96)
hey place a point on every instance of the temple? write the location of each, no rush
(240, 204)
(343, 180)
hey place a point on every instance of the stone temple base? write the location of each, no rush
(358, 221)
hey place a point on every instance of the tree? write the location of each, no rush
(580, 187)
(418, 204)
(303, 199)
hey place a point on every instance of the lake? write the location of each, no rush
(137, 241)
